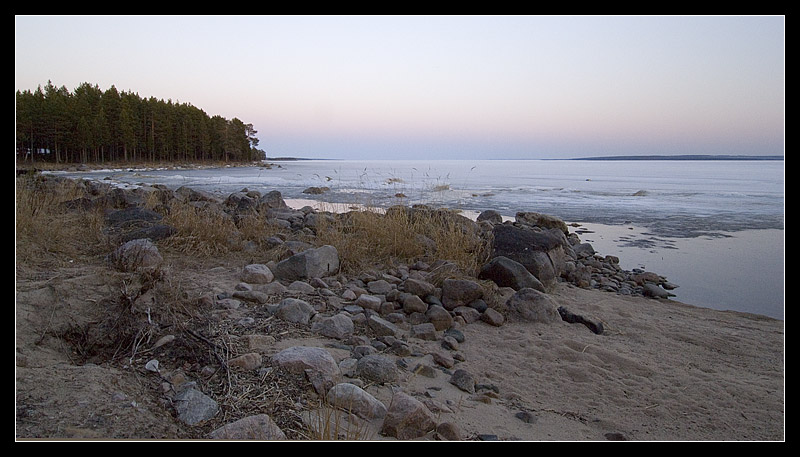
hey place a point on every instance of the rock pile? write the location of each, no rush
(385, 319)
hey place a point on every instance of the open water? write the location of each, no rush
(715, 228)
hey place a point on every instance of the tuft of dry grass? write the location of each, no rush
(51, 225)
(364, 238)
(209, 232)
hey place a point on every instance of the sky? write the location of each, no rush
(440, 87)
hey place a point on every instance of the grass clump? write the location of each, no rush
(54, 222)
(364, 238)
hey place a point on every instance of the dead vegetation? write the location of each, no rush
(61, 233)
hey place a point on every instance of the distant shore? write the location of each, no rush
(683, 157)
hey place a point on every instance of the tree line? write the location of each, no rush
(91, 125)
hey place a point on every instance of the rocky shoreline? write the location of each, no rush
(371, 331)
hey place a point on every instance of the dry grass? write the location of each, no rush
(48, 230)
(364, 238)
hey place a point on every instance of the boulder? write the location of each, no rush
(376, 368)
(259, 427)
(300, 359)
(295, 310)
(418, 287)
(542, 220)
(249, 361)
(257, 273)
(407, 418)
(531, 305)
(337, 326)
(592, 324)
(542, 253)
(272, 199)
(439, 317)
(509, 273)
(137, 254)
(311, 263)
(490, 215)
(356, 400)
(194, 407)
(463, 380)
(460, 292)
(382, 327)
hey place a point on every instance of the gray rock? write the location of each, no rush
(460, 292)
(541, 252)
(542, 220)
(655, 291)
(379, 287)
(439, 317)
(312, 263)
(463, 380)
(418, 287)
(382, 327)
(592, 324)
(377, 368)
(490, 215)
(298, 359)
(414, 304)
(509, 273)
(356, 400)
(367, 301)
(295, 310)
(493, 317)
(407, 418)
(194, 407)
(137, 255)
(253, 296)
(260, 427)
(530, 305)
(425, 331)
(257, 273)
(337, 326)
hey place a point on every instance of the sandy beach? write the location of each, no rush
(661, 370)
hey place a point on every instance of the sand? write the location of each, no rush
(662, 370)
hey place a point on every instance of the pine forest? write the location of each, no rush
(89, 125)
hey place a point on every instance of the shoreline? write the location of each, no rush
(657, 370)
(636, 247)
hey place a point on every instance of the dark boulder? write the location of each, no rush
(509, 273)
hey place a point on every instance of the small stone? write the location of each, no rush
(377, 368)
(260, 427)
(463, 380)
(493, 317)
(194, 407)
(414, 304)
(257, 274)
(425, 331)
(449, 431)
(249, 361)
(526, 417)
